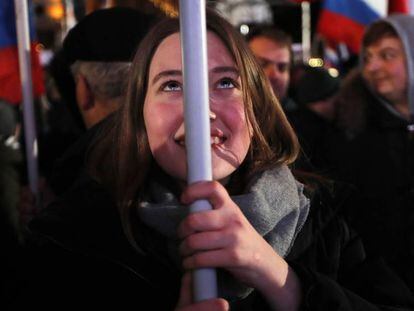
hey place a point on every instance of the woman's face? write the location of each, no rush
(163, 109)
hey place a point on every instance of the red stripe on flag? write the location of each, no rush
(398, 6)
(10, 85)
(336, 28)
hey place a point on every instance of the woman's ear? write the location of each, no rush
(84, 95)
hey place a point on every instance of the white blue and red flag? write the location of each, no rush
(10, 85)
(344, 21)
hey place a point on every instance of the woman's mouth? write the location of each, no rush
(217, 139)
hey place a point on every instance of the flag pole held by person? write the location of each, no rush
(23, 41)
(197, 119)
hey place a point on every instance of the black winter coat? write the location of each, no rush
(379, 161)
(78, 258)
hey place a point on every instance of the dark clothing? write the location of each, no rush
(72, 164)
(78, 257)
(288, 105)
(330, 258)
(60, 134)
(10, 163)
(319, 140)
(379, 161)
(10, 229)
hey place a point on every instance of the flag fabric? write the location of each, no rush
(398, 6)
(344, 21)
(10, 85)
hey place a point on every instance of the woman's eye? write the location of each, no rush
(171, 86)
(226, 84)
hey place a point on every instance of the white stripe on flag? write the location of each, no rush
(379, 6)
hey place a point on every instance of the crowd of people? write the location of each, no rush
(313, 180)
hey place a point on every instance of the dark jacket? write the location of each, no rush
(379, 161)
(72, 164)
(319, 139)
(78, 258)
(10, 165)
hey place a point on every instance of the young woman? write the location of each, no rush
(273, 247)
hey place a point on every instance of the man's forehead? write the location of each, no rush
(270, 51)
(384, 43)
(268, 43)
(277, 61)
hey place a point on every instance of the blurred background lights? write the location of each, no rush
(55, 9)
(315, 62)
(244, 29)
(333, 72)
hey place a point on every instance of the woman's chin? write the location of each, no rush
(223, 173)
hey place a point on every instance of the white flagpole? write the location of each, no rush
(197, 120)
(23, 43)
(306, 31)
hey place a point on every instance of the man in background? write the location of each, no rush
(379, 157)
(91, 73)
(273, 50)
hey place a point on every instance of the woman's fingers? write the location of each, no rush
(201, 221)
(224, 209)
(203, 241)
(212, 191)
(223, 258)
(223, 237)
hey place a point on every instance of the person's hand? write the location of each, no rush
(30, 205)
(224, 238)
(185, 302)
(27, 205)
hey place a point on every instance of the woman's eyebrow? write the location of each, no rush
(224, 69)
(166, 73)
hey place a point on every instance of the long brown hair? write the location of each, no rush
(123, 146)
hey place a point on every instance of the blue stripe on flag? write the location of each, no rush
(357, 10)
(8, 36)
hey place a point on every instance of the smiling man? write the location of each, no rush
(379, 160)
(386, 67)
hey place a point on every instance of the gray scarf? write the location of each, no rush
(274, 204)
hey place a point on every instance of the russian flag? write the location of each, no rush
(344, 21)
(10, 85)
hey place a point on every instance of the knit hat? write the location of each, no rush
(107, 35)
(316, 84)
